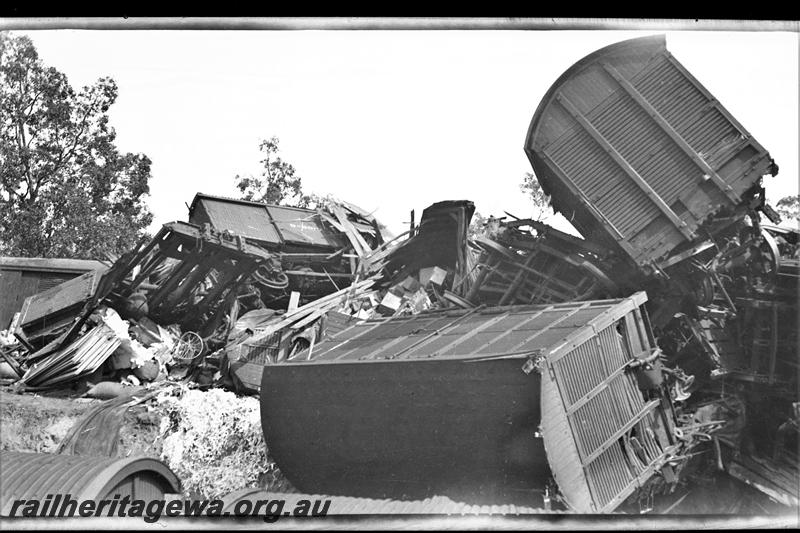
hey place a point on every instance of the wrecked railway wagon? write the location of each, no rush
(452, 402)
(638, 155)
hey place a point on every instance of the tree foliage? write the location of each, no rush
(65, 189)
(788, 208)
(477, 226)
(541, 202)
(278, 183)
(481, 226)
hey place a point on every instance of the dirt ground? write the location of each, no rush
(38, 423)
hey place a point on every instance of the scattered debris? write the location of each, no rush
(80, 358)
(97, 433)
(416, 340)
(528, 262)
(21, 277)
(274, 337)
(44, 315)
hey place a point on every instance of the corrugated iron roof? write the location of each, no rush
(36, 475)
(516, 331)
(345, 505)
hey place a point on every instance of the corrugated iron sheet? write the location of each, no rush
(82, 357)
(515, 331)
(345, 505)
(36, 475)
(629, 131)
(248, 220)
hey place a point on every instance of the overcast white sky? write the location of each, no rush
(388, 120)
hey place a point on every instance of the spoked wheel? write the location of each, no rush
(189, 347)
(274, 279)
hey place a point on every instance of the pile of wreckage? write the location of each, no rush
(198, 298)
(704, 365)
(175, 305)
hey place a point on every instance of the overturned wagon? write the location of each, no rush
(638, 155)
(452, 403)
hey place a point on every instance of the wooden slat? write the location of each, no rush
(359, 244)
(514, 286)
(306, 310)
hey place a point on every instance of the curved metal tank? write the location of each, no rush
(35, 475)
(637, 154)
